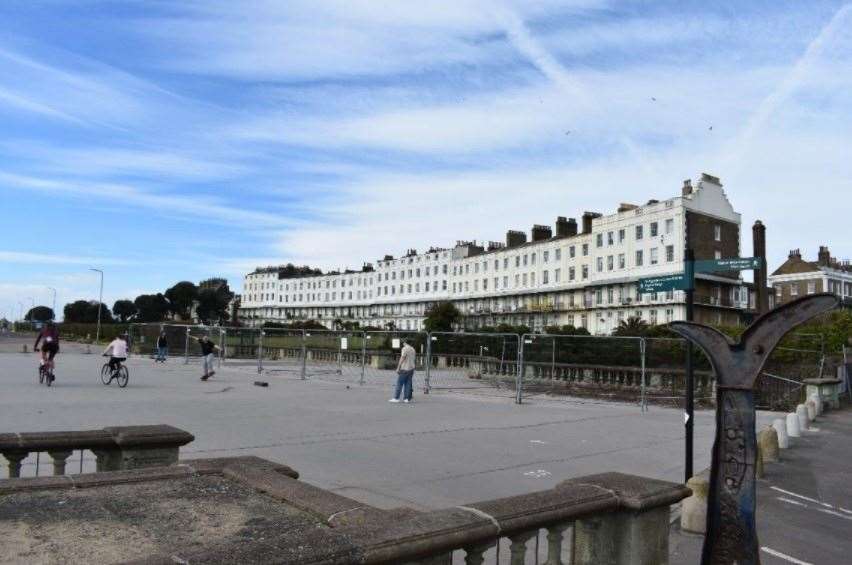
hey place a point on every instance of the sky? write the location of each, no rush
(162, 141)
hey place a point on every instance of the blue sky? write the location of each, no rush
(163, 141)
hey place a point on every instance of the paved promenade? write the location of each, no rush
(445, 449)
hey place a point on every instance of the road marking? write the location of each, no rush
(538, 441)
(803, 497)
(789, 501)
(538, 474)
(784, 556)
(833, 513)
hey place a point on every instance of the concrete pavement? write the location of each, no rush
(447, 448)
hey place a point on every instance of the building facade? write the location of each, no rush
(582, 275)
(796, 277)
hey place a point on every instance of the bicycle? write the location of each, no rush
(45, 374)
(120, 374)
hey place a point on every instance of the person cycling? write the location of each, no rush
(49, 338)
(118, 349)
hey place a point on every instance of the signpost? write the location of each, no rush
(685, 281)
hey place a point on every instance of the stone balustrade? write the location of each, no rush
(116, 448)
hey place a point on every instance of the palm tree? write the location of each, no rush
(633, 326)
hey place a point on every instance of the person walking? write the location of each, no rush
(208, 350)
(405, 374)
(162, 347)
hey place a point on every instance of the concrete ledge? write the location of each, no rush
(634, 492)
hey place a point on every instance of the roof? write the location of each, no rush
(795, 265)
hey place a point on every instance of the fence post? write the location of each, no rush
(363, 356)
(519, 395)
(644, 402)
(260, 352)
(427, 385)
(304, 353)
(222, 332)
(186, 348)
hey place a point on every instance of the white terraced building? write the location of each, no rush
(583, 277)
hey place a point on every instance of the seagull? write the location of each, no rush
(710, 128)
(568, 132)
(654, 99)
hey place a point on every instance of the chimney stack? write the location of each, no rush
(794, 254)
(824, 257)
(566, 227)
(540, 232)
(687, 187)
(587, 220)
(515, 238)
(758, 234)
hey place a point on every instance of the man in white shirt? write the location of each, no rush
(405, 373)
(118, 348)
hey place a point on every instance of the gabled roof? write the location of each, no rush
(795, 265)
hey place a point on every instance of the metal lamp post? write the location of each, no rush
(100, 305)
(54, 301)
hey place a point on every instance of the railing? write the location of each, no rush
(116, 448)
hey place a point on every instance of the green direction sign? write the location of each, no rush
(663, 284)
(718, 265)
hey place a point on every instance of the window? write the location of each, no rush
(599, 240)
(669, 225)
(654, 260)
(517, 281)
(585, 272)
(585, 249)
(621, 261)
(444, 270)
(532, 258)
(639, 258)
(545, 255)
(609, 263)
(621, 235)
(669, 253)
(444, 285)
(484, 284)
(518, 261)
(600, 264)
(610, 238)
(556, 275)
(496, 283)
(572, 252)
(526, 257)
(609, 293)
(654, 229)
(485, 266)
(717, 232)
(532, 279)
(505, 282)
(476, 267)
(794, 289)
(525, 279)
(505, 262)
(427, 287)
(544, 277)
(717, 254)
(571, 273)
(557, 254)
(638, 232)
(811, 287)
(496, 264)
(599, 296)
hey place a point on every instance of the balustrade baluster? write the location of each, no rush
(59, 456)
(518, 549)
(555, 536)
(475, 554)
(14, 458)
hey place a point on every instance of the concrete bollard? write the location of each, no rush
(693, 510)
(781, 429)
(811, 408)
(24, 349)
(802, 414)
(793, 425)
(818, 403)
(767, 444)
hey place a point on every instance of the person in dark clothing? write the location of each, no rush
(162, 347)
(49, 339)
(208, 350)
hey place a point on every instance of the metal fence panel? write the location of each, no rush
(588, 366)
(473, 360)
(381, 350)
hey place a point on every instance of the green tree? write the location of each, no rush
(181, 297)
(86, 312)
(442, 317)
(632, 326)
(39, 314)
(212, 306)
(151, 307)
(124, 309)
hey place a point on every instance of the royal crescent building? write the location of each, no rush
(583, 274)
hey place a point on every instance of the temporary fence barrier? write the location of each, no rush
(473, 360)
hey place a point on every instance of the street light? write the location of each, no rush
(54, 301)
(100, 304)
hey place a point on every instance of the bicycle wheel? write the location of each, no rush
(48, 378)
(123, 376)
(41, 374)
(106, 376)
